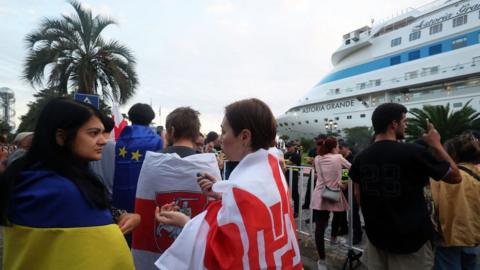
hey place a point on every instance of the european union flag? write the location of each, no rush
(130, 149)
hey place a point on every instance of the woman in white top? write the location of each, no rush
(328, 165)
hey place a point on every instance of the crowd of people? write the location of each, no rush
(71, 197)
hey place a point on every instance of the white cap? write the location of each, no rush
(22, 135)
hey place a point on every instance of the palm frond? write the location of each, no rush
(72, 51)
(447, 122)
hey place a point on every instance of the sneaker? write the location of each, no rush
(321, 265)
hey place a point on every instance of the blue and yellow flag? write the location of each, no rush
(130, 149)
(55, 227)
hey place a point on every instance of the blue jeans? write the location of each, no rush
(455, 258)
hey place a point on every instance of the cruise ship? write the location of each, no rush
(427, 55)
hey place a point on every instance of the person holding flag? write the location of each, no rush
(130, 149)
(252, 213)
(55, 210)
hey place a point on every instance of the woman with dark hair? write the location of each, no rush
(457, 207)
(328, 165)
(55, 211)
(250, 224)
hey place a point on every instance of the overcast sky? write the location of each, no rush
(206, 53)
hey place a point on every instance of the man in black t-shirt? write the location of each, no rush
(293, 158)
(389, 177)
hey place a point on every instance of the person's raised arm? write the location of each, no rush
(432, 138)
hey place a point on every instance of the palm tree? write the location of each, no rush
(448, 123)
(75, 55)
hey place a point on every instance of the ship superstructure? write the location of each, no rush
(429, 55)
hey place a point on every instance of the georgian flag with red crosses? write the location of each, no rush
(252, 227)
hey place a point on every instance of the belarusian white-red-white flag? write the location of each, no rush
(165, 178)
(120, 122)
(252, 227)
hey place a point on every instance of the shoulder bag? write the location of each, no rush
(328, 193)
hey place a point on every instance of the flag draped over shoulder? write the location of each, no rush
(165, 178)
(54, 227)
(130, 150)
(252, 227)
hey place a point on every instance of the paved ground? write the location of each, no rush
(336, 254)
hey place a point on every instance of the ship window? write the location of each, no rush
(459, 43)
(411, 75)
(347, 41)
(457, 105)
(316, 121)
(437, 28)
(377, 82)
(280, 124)
(414, 35)
(413, 55)
(286, 124)
(460, 20)
(395, 60)
(396, 41)
(307, 122)
(349, 117)
(293, 124)
(361, 85)
(337, 118)
(362, 115)
(299, 123)
(435, 49)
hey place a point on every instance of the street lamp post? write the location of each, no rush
(330, 125)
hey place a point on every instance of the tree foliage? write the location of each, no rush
(448, 123)
(358, 138)
(29, 120)
(307, 143)
(75, 56)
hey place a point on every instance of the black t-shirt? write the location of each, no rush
(294, 158)
(312, 152)
(391, 177)
(182, 151)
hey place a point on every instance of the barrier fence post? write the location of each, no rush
(312, 184)
(352, 256)
(300, 208)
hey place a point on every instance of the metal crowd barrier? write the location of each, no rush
(306, 172)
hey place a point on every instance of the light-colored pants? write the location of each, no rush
(379, 259)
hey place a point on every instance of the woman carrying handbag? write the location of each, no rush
(327, 195)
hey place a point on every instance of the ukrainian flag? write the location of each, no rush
(54, 227)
